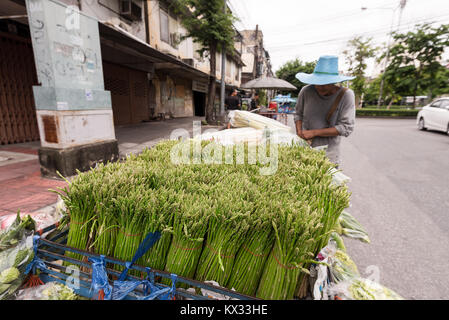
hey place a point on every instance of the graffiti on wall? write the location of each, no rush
(66, 46)
(40, 39)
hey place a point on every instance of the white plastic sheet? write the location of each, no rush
(253, 136)
(42, 218)
(241, 119)
(362, 289)
(234, 136)
(48, 291)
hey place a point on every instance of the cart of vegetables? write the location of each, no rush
(256, 234)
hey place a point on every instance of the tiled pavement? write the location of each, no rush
(21, 184)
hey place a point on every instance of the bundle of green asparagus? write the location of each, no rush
(220, 220)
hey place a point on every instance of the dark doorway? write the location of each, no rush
(199, 100)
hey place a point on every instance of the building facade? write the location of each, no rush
(255, 57)
(133, 67)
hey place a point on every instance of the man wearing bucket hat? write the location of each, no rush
(325, 111)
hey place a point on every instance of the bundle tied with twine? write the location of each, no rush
(224, 222)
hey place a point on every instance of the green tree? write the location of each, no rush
(357, 52)
(437, 83)
(289, 70)
(263, 99)
(415, 66)
(372, 89)
(208, 24)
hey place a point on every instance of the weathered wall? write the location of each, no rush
(232, 70)
(184, 49)
(183, 98)
(108, 10)
(187, 48)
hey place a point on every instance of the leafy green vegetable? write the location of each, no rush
(15, 232)
(352, 228)
(57, 291)
(9, 275)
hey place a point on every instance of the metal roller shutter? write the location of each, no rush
(17, 76)
(129, 93)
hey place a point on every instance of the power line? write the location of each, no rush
(240, 15)
(343, 38)
(339, 16)
(308, 24)
(246, 10)
(290, 30)
(424, 19)
(235, 13)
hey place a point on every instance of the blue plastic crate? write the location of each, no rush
(51, 251)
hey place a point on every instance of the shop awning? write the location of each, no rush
(116, 37)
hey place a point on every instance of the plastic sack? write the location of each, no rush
(253, 136)
(13, 262)
(48, 291)
(335, 266)
(234, 136)
(213, 294)
(342, 268)
(210, 294)
(42, 218)
(240, 119)
(362, 289)
(280, 136)
(319, 274)
(319, 148)
(338, 178)
(350, 227)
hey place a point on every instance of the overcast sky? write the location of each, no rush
(308, 29)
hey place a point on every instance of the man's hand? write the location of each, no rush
(308, 134)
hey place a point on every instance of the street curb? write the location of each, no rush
(387, 117)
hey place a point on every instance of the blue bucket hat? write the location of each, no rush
(326, 72)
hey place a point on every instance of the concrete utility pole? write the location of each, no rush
(402, 4)
(223, 77)
(74, 111)
(256, 54)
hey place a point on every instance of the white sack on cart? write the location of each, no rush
(234, 136)
(241, 119)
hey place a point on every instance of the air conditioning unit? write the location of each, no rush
(190, 62)
(130, 10)
(175, 39)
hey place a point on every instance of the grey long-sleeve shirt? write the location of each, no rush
(312, 109)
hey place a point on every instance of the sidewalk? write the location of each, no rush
(134, 138)
(21, 184)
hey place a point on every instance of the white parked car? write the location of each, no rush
(434, 116)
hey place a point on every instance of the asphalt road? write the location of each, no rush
(400, 194)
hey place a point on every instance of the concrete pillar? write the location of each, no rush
(74, 111)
